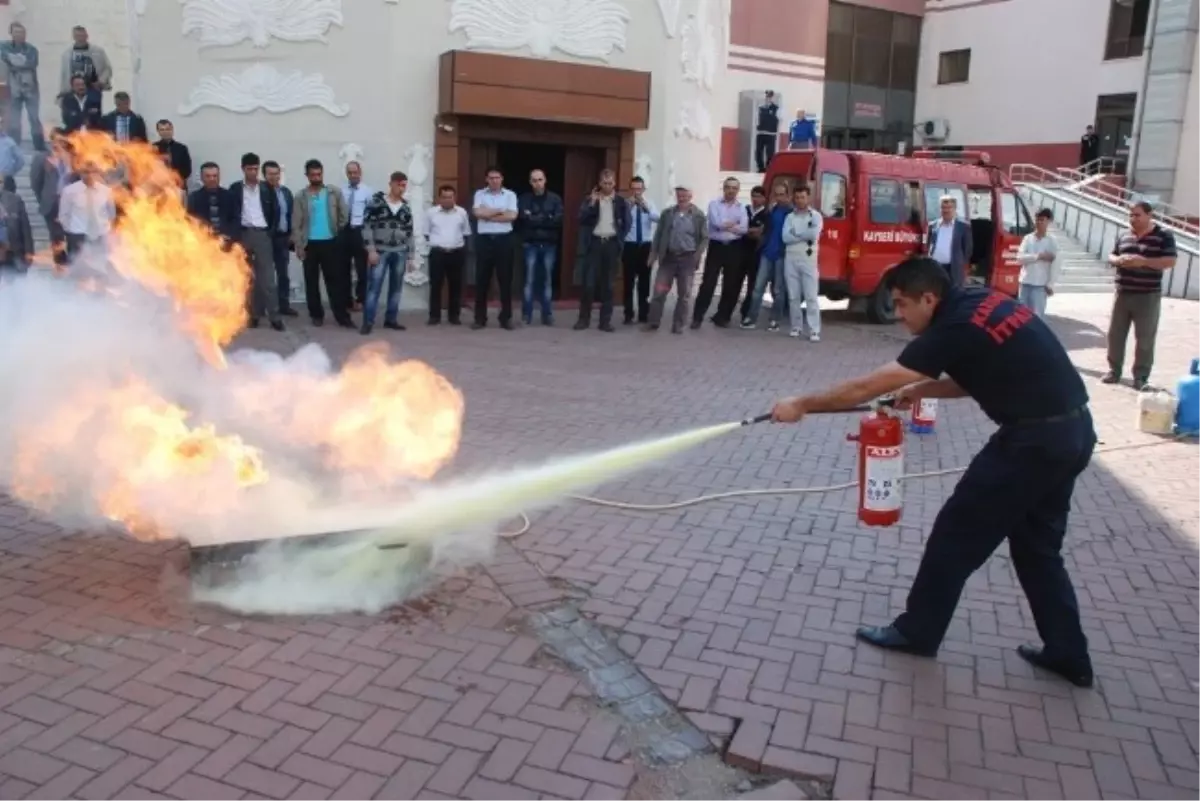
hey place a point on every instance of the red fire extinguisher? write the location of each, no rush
(880, 441)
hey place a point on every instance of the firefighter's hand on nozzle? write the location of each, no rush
(788, 410)
(906, 398)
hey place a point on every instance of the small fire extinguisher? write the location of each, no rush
(924, 416)
(880, 441)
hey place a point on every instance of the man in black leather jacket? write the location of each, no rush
(540, 219)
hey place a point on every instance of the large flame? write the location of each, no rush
(142, 460)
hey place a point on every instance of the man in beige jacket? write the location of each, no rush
(318, 214)
(89, 61)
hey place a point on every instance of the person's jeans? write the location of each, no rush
(770, 271)
(30, 102)
(1034, 297)
(390, 266)
(540, 260)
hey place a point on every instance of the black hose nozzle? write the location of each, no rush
(887, 401)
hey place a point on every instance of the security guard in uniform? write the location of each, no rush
(991, 348)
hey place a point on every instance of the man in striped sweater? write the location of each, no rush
(1140, 257)
(388, 237)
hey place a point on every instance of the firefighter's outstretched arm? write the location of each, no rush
(930, 388)
(888, 378)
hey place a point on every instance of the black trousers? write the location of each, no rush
(731, 286)
(446, 269)
(603, 261)
(1017, 488)
(725, 256)
(323, 259)
(637, 280)
(764, 149)
(493, 258)
(355, 254)
(751, 257)
(280, 247)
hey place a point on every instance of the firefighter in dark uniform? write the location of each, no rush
(971, 342)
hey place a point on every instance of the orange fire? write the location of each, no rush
(136, 456)
(166, 250)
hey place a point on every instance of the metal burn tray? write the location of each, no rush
(210, 563)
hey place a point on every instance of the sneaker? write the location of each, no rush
(1110, 378)
(814, 337)
(794, 333)
(747, 324)
(772, 326)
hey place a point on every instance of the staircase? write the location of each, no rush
(41, 235)
(1079, 270)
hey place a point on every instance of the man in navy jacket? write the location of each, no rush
(603, 223)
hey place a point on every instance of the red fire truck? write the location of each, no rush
(877, 209)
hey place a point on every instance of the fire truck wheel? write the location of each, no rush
(879, 306)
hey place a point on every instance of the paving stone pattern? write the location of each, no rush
(741, 612)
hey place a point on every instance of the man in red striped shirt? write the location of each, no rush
(1140, 256)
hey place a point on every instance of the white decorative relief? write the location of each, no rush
(261, 86)
(419, 158)
(139, 7)
(643, 168)
(228, 22)
(672, 182)
(669, 11)
(351, 151)
(580, 28)
(695, 121)
(701, 46)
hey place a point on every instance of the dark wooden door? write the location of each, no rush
(582, 172)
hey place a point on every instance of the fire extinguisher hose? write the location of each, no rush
(526, 524)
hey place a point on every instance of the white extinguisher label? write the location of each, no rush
(927, 410)
(883, 471)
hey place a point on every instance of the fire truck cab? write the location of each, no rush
(877, 210)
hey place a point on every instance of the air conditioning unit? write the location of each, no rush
(935, 130)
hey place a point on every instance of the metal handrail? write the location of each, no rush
(1103, 191)
(1096, 231)
(1097, 166)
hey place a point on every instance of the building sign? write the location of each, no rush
(868, 110)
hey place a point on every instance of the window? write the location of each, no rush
(933, 199)
(1013, 215)
(872, 47)
(1127, 22)
(788, 182)
(889, 201)
(954, 66)
(979, 204)
(904, 67)
(833, 196)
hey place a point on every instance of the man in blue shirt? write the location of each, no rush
(802, 133)
(635, 255)
(973, 342)
(770, 263)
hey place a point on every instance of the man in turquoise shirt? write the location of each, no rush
(320, 211)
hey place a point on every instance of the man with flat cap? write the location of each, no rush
(679, 243)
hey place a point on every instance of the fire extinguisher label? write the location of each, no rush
(928, 409)
(882, 476)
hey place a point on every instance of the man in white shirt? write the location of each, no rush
(494, 208)
(635, 255)
(256, 203)
(1039, 264)
(86, 212)
(357, 194)
(446, 229)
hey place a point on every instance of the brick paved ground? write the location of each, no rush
(741, 611)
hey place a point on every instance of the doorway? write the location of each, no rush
(1114, 124)
(571, 171)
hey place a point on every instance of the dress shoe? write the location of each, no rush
(278, 325)
(719, 323)
(288, 311)
(677, 329)
(1142, 385)
(393, 325)
(366, 329)
(696, 324)
(318, 321)
(526, 319)
(433, 321)
(648, 327)
(252, 323)
(607, 328)
(548, 321)
(456, 321)
(1078, 674)
(346, 322)
(507, 325)
(1110, 378)
(889, 637)
(628, 321)
(478, 326)
(581, 325)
